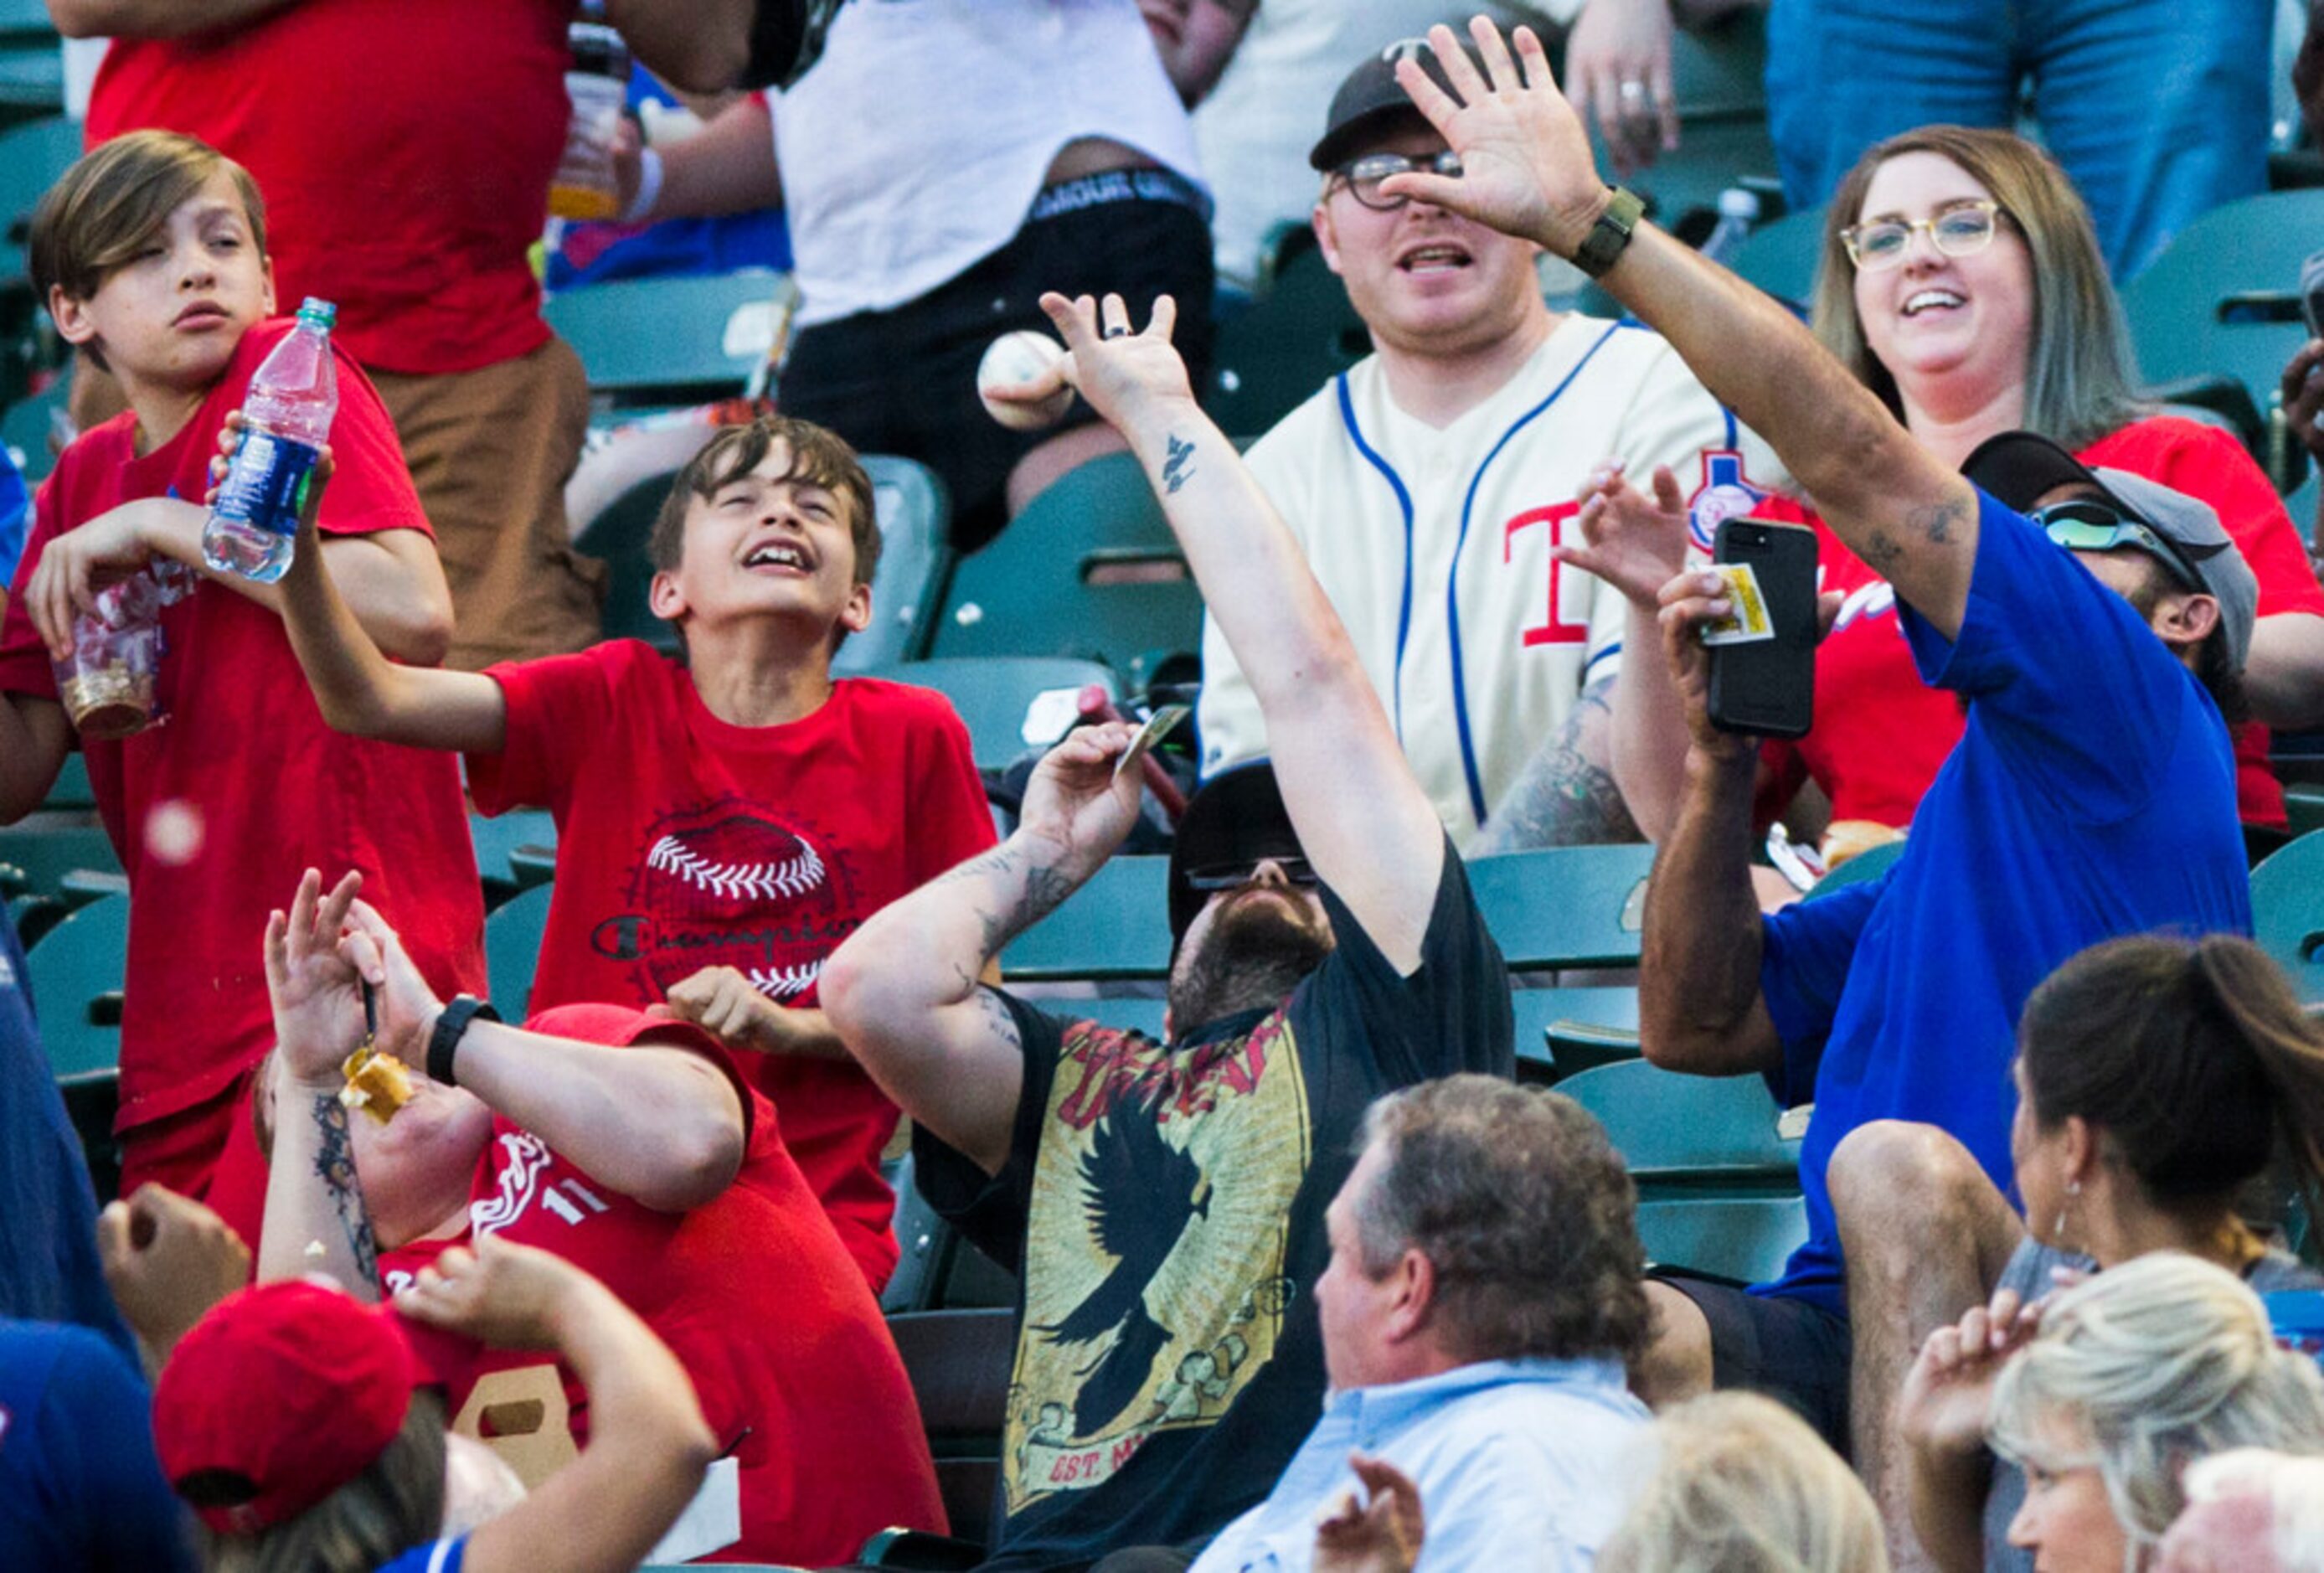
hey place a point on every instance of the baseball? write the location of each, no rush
(1019, 357)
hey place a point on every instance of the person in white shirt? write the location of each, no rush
(1433, 484)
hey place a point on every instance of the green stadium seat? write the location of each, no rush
(1089, 569)
(40, 858)
(1117, 926)
(76, 977)
(1010, 703)
(959, 1363)
(499, 839)
(1564, 1029)
(70, 791)
(30, 422)
(1869, 864)
(1673, 1126)
(512, 934)
(658, 342)
(2224, 296)
(1745, 1238)
(1781, 256)
(2287, 896)
(1564, 906)
(1289, 342)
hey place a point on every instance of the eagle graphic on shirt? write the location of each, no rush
(1155, 1287)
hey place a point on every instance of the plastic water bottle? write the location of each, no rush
(293, 395)
(597, 85)
(1738, 211)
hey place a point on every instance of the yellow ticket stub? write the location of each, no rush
(1748, 623)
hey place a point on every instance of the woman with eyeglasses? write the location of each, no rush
(1961, 282)
(2157, 1079)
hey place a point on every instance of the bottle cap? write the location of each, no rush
(322, 313)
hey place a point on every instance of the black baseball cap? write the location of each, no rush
(1234, 819)
(2018, 469)
(1371, 99)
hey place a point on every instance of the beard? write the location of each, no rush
(1255, 954)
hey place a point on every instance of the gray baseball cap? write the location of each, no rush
(1371, 99)
(2018, 469)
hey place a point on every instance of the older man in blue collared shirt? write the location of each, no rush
(1482, 1300)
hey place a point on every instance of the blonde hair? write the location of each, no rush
(1741, 1485)
(2163, 1359)
(387, 1510)
(2080, 374)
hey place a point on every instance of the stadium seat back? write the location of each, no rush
(1116, 926)
(2287, 897)
(1564, 1029)
(915, 518)
(1297, 335)
(1672, 1126)
(513, 935)
(76, 977)
(498, 839)
(1564, 906)
(40, 859)
(1089, 569)
(1780, 257)
(1743, 1238)
(674, 340)
(1869, 864)
(1010, 703)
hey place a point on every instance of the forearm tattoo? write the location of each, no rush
(1177, 461)
(334, 1166)
(1040, 889)
(1564, 798)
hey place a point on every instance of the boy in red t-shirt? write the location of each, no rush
(722, 823)
(150, 254)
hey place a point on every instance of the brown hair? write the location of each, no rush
(115, 199)
(1523, 1207)
(2193, 1057)
(819, 456)
(2078, 366)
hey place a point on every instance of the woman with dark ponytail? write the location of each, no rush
(2158, 1080)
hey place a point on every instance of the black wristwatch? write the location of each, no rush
(1603, 245)
(444, 1041)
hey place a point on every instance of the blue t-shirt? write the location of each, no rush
(2092, 795)
(49, 1271)
(79, 1484)
(436, 1557)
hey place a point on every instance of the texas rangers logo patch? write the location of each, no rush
(1726, 493)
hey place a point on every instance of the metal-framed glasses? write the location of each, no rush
(1232, 875)
(2083, 525)
(1962, 230)
(1363, 175)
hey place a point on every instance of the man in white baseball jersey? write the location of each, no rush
(1430, 484)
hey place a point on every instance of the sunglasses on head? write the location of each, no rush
(1364, 175)
(2086, 524)
(1230, 875)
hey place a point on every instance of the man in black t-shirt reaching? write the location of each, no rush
(1163, 1204)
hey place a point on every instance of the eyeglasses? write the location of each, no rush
(1230, 875)
(1957, 231)
(1364, 175)
(2083, 525)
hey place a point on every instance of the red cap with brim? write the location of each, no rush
(281, 1395)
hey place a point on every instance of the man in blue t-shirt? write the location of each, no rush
(2092, 793)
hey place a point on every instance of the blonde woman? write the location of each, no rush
(2133, 1374)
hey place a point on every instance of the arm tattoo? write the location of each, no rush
(1882, 552)
(1043, 887)
(1177, 461)
(1000, 1019)
(1564, 798)
(1936, 521)
(334, 1166)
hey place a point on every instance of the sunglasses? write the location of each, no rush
(1230, 875)
(2083, 525)
(1961, 231)
(1363, 175)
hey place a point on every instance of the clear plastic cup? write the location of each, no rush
(108, 682)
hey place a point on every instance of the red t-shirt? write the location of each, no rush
(276, 790)
(683, 842)
(764, 1307)
(1880, 734)
(404, 148)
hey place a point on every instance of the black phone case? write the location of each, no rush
(1767, 687)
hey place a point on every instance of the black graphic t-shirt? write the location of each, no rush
(1164, 1209)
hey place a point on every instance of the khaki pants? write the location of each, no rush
(490, 450)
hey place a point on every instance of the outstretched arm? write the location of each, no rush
(1527, 170)
(904, 990)
(1363, 821)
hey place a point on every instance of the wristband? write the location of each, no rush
(444, 1041)
(1603, 245)
(649, 187)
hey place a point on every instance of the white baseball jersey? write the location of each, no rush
(1434, 547)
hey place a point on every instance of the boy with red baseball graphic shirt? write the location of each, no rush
(151, 254)
(722, 823)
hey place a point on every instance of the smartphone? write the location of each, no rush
(1763, 670)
